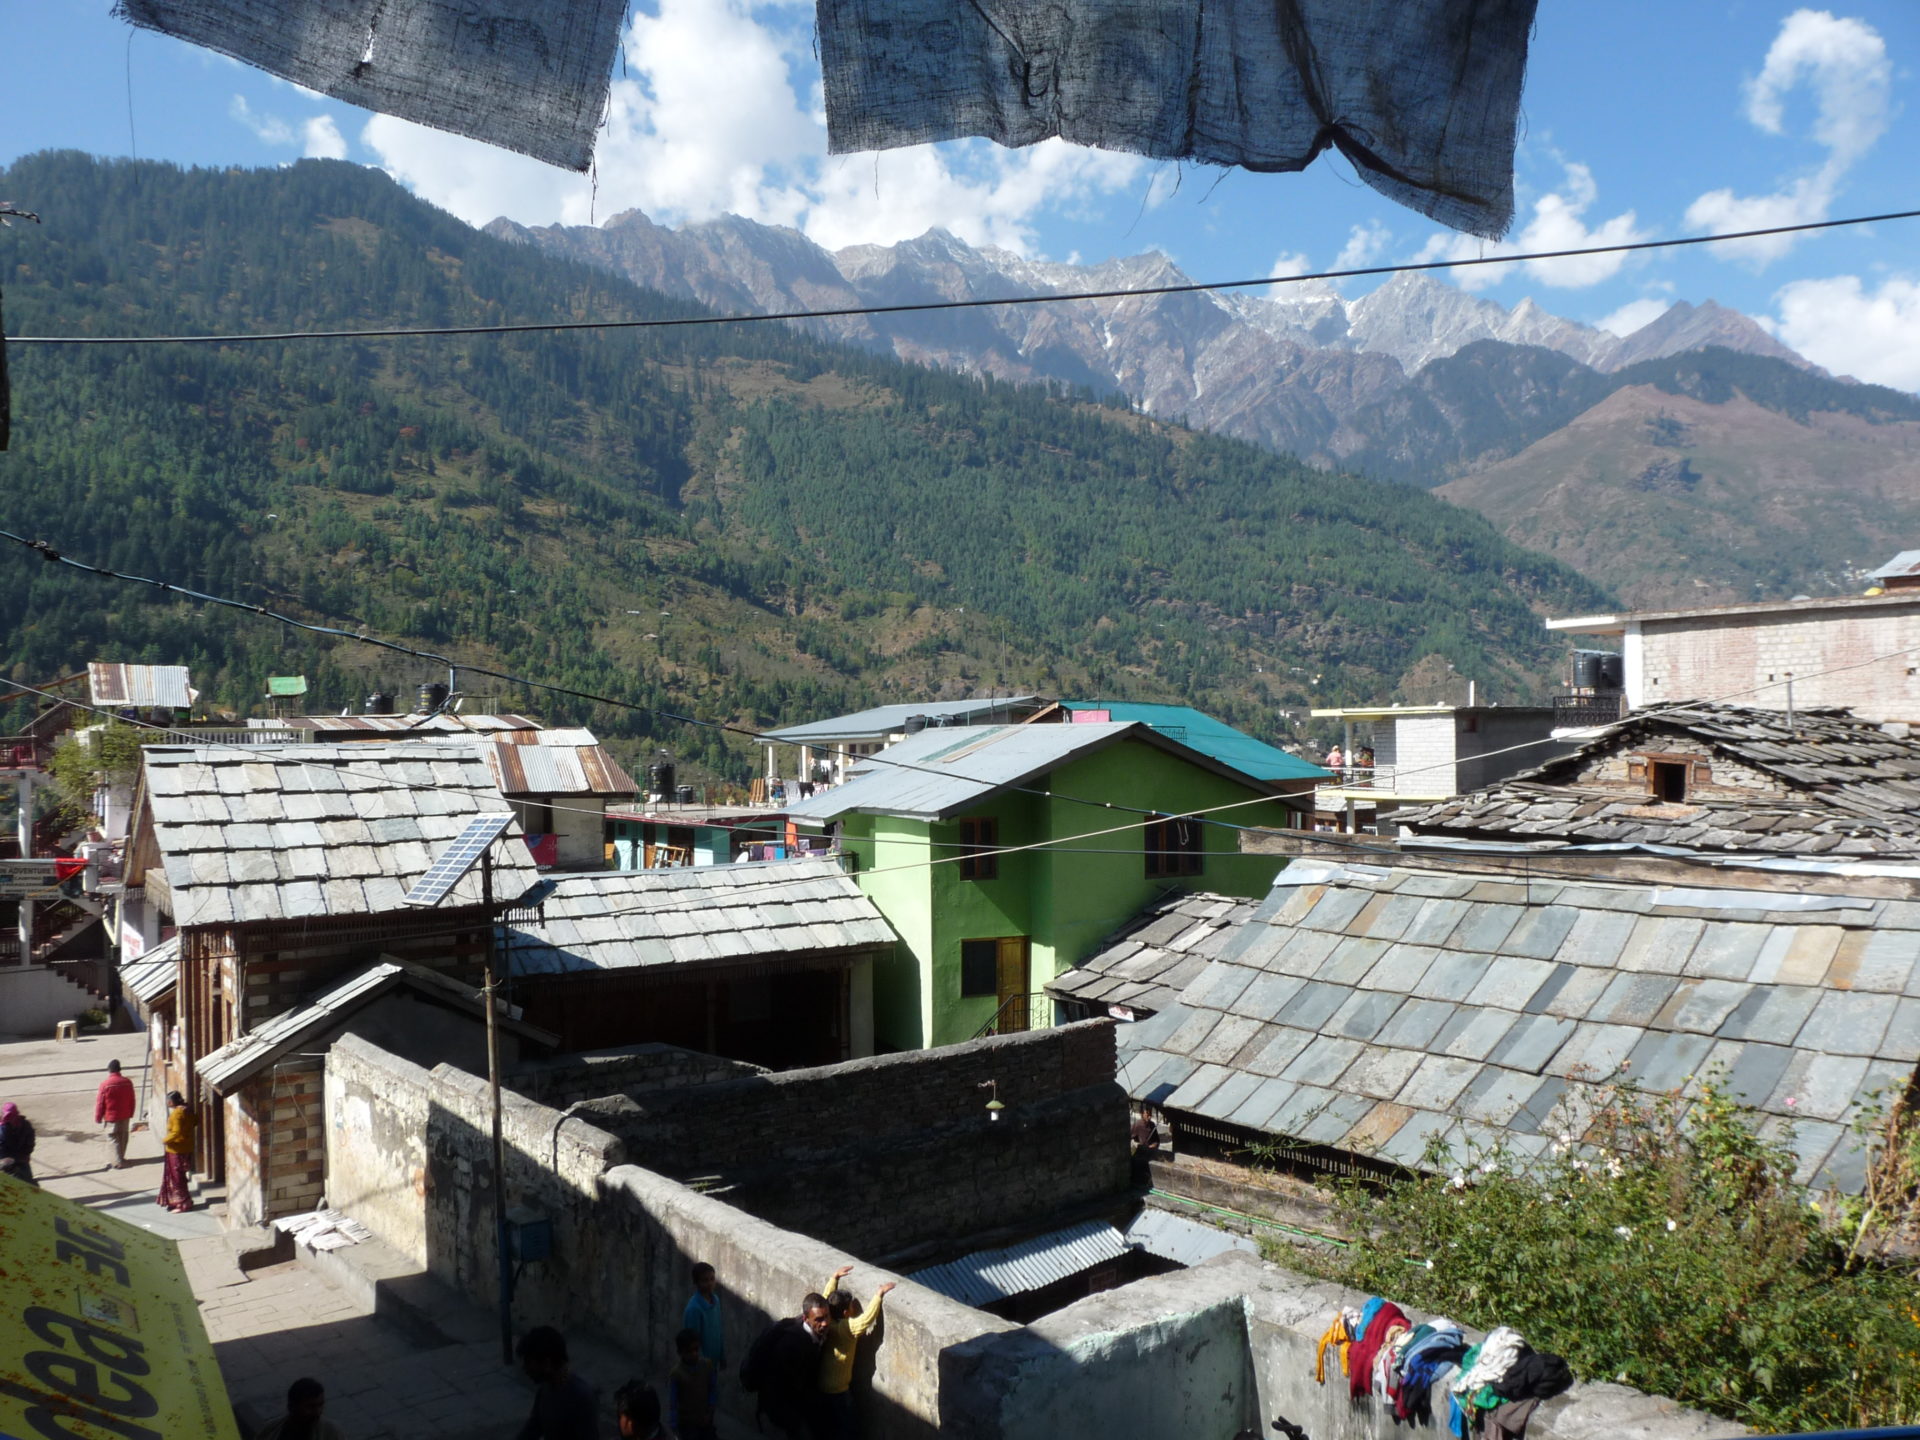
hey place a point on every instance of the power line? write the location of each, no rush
(1061, 297)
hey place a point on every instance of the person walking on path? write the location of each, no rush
(838, 1347)
(693, 1390)
(703, 1314)
(783, 1368)
(306, 1403)
(565, 1406)
(182, 1123)
(113, 1106)
(16, 1144)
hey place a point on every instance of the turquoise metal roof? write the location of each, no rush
(1198, 730)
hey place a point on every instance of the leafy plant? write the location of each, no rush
(1658, 1241)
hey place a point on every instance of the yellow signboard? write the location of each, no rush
(100, 1338)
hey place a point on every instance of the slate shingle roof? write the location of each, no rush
(1371, 1009)
(1856, 788)
(1146, 965)
(703, 913)
(289, 832)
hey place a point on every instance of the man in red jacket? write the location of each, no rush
(113, 1107)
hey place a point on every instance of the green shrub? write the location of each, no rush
(1660, 1243)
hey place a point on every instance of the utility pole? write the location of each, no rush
(503, 1249)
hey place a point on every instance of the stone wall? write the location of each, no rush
(897, 1153)
(629, 1070)
(1199, 1352)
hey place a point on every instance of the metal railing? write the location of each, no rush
(1014, 1017)
(1582, 712)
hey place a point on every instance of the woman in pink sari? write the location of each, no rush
(181, 1124)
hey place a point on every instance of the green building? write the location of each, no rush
(987, 923)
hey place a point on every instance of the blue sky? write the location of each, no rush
(1642, 119)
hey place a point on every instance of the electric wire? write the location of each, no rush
(923, 307)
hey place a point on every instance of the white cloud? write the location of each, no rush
(1558, 223)
(323, 139)
(1839, 323)
(318, 137)
(683, 147)
(269, 129)
(1365, 244)
(1294, 262)
(1843, 63)
(1634, 315)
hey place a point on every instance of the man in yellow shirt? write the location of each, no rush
(838, 1346)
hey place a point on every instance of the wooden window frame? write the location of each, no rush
(1176, 847)
(979, 847)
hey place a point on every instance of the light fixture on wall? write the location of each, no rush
(994, 1105)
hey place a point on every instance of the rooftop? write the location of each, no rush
(884, 720)
(1145, 966)
(1201, 731)
(698, 914)
(1376, 1009)
(1617, 624)
(938, 773)
(141, 687)
(291, 832)
(238, 1061)
(544, 765)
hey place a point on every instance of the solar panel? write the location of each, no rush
(460, 856)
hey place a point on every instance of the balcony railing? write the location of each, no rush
(1585, 711)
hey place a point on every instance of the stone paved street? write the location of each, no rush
(428, 1369)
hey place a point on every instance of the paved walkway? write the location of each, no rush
(429, 1369)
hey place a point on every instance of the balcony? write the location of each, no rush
(1586, 710)
(1366, 785)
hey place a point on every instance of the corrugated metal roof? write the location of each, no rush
(939, 773)
(557, 769)
(1183, 1241)
(238, 1061)
(1907, 562)
(885, 720)
(1376, 1009)
(153, 974)
(1201, 731)
(990, 1275)
(713, 914)
(287, 832)
(141, 686)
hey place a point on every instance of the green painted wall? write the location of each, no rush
(1066, 900)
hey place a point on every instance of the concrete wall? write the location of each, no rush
(1200, 1352)
(33, 999)
(1703, 657)
(1477, 750)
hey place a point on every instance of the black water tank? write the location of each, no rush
(683, 794)
(660, 779)
(1613, 672)
(1586, 669)
(915, 724)
(432, 696)
(378, 703)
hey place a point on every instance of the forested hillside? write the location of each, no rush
(737, 522)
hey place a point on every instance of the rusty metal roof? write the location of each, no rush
(1907, 562)
(543, 769)
(144, 687)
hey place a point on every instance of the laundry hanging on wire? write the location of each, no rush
(1492, 1388)
(1422, 96)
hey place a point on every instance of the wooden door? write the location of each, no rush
(1011, 970)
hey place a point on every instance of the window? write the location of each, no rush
(978, 839)
(1173, 846)
(1668, 781)
(979, 967)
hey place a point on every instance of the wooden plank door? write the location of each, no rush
(1012, 972)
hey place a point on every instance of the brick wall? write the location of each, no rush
(276, 1143)
(1703, 659)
